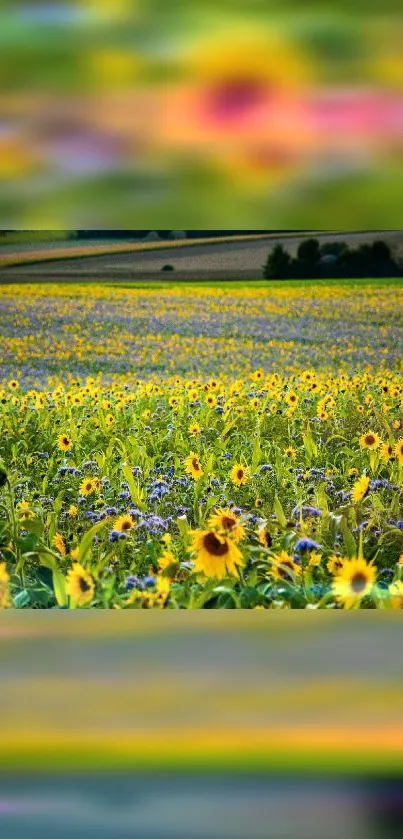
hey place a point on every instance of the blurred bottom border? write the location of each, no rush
(220, 806)
(229, 726)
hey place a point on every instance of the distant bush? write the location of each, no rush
(152, 236)
(333, 248)
(167, 268)
(333, 259)
(278, 264)
(177, 234)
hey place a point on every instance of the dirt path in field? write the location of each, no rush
(221, 261)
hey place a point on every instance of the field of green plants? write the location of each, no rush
(202, 446)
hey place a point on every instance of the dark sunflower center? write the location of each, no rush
(126, 525)
(239, 474)
(195, 464)
(370, 440)
(233, 98)
(83, 585)
(358, 582)
(228, 523)
(283, 571)
(213, 545)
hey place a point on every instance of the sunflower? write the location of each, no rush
(315, 559)
(193, 466)
(264, 537)
(227, 522)
(123, 524)
(239, 474)
(194, 429)
(370, 440)
(354, 581)
(290, 452)
(211, 400)
(216, 555)
(360, 489)
(13, 385)
(334, 564)
(58, 543)
(4, 581)
(86, 486)
(396, 594)
(155, 596)
(96, 484)
(386, 452)
(80, 585)
(73, 510)
(284, 567)
(24, 511)
(399, 450)
(64, 443)
(168, 564)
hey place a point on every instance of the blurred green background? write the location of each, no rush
(118, 113)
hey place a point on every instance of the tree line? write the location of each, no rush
(332, 260)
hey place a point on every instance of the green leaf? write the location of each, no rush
(322, 498)
(100, 459)
(309, 443)
(377, 503)
(249, 598)
(47, 558)
(59, 587)
(34, 526)
(21, 599)
(183, 526)
(27, 544)
(278, 510)
(381, 419)
(256, 452)
(86, 541)
(52, 525)
(58, 502)
(227, 429)
(348, 538)
(134, 489)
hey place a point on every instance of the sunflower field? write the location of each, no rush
(201, 446)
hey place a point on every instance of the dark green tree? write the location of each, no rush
(278, 264)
